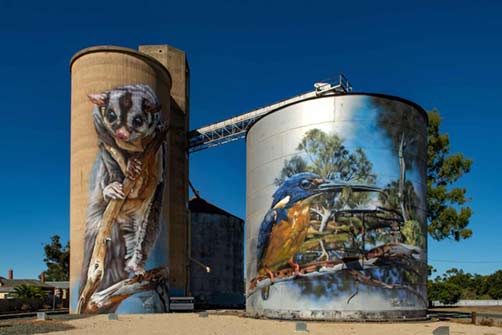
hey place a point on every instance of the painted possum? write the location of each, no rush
(126, 119)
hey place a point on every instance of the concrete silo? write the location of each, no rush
(336, 209)
(125, 142)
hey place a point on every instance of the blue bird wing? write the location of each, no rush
(267, 224)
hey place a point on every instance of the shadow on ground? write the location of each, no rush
(28, 327)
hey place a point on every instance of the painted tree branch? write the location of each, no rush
(395, 251)
(97, 269)
(402, 175)
(111, 297)
(375, 282)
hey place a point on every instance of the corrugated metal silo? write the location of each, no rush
(217, 242)
(336, 210)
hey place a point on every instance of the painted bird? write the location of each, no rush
(285, 226)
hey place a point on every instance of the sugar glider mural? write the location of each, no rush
(344, 235)
(123, 214)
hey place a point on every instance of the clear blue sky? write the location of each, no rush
(243, 56)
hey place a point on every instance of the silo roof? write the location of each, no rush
(419, 108)
(199, 205)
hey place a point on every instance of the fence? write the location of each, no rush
(462, 303)
(30, 305)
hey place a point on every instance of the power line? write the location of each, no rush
(473, 262)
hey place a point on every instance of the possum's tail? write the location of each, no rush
(114, 261)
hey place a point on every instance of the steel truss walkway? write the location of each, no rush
(236, 127)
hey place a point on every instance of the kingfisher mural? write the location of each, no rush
(285, 226)
(339, 230)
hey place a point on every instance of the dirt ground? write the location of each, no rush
(191, 323)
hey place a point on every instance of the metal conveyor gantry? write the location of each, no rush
(235, 128)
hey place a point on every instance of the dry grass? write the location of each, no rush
(487, 322)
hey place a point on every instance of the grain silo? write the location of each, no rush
(336, 201)
(217, 256)
(125, 142)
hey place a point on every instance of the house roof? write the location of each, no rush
(59, 284)
(199, 205)
(8, 285)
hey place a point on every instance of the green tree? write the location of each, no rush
(458, 277)
(57, 259)
(495, 285)
(447, 214)
(480, 285)
(293, 166)
(327, 156)
(413, 233)
(472, 286)
(446, 293)
(391, 198)
(402, 126)
(24, 291)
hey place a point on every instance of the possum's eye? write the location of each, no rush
(111, 116)
(137, 121)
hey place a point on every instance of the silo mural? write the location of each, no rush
(125, 197)
(118, 182)
(336, 223)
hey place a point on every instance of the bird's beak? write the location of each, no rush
(329, 185)
(324, 185)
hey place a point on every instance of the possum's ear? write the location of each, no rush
(99, 99)
(150, 107)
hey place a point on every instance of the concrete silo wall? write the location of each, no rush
(336, 201)
(120, 105)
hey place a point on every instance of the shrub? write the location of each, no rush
(487, 322)
(27, 291)
(446, 293)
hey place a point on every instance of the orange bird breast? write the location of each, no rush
(286, 238)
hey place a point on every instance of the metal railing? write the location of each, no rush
(235, 128)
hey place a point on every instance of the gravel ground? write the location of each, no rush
(221, 322)
(28, 327)
(191, 323)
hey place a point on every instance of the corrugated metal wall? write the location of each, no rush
(217, 240)
(337, 185)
